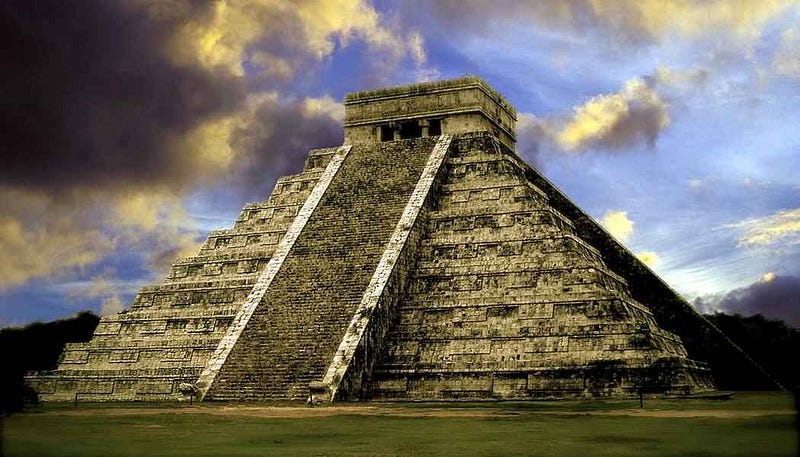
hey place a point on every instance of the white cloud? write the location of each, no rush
(696, 183)
(324, 106)
(111, 305)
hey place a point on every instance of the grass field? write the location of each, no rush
(750, 424)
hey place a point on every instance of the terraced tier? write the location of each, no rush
(292, 335)
(170, 330)
(507, 301)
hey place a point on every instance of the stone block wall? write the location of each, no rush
(171, 329)
(293, 333)
(507, 301)
(465, 104)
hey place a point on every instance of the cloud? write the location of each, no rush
(274, 136)
(111, 305)
(113, 113)
(41, 235)
(236, 34)
(636, 114)
(324, 107)
(658, 19)
(618, 225)
(101, 287)
(616, 120)
(133, 91)
(778, 230)
(417, 47)
(49, 248)
(776, 297)
(623, 21)
(94, 99)
(699, 183)
(786, 60)
(156, 224)
(649, 258)
(672, 77)
(534, 135)
(325, 20)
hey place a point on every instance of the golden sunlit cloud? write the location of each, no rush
(659, 18)
(226, 36)
(769, 276)
(157, 218)
(31, 253)
(627, 21)
(80, 228)
(649, 258)
(618, 225)
(205, 147)
(324, 20)
(218, 39)
(637, 112)
(48, 248)
(781, 229)
(271, 66)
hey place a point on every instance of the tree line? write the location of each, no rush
(771, 343)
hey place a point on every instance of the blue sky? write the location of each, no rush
(672, 123)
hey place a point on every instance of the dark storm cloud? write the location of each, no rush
(778, 298)
(532, 137)
(277, 141)
(88, 96)
(112, 112)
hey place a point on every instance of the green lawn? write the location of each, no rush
(744, 426)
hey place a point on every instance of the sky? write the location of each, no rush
(129, 129)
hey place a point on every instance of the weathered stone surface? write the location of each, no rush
(507, 301)
(421, 260)
(293, 334)
(455, 106)
(170, 330)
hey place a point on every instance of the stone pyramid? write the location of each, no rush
(420, 260)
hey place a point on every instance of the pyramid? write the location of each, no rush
(423, 259)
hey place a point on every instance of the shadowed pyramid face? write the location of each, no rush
(422, 259)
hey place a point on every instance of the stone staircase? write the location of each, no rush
(292, 335)
(171, 329)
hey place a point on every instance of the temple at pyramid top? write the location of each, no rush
(421, 259)
(447, 107)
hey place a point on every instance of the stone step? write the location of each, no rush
(504, 284)
(292, 336)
